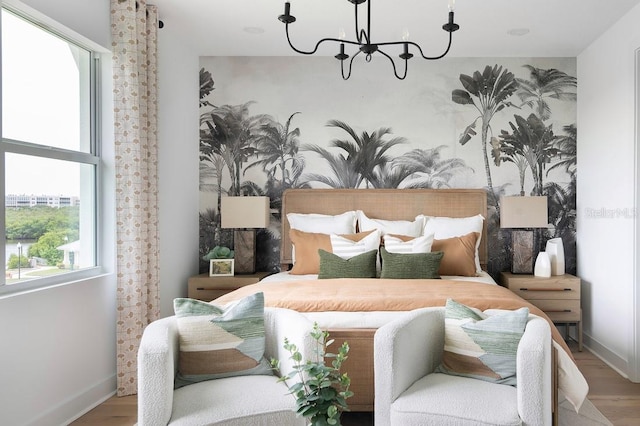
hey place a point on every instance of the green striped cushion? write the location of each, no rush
(218, 342)
(480, 346)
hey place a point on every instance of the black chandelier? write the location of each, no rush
(364, 43)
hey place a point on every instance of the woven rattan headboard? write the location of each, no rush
(391, 204)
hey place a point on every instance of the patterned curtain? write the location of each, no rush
(134, 42)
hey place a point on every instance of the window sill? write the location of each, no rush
(11, 290)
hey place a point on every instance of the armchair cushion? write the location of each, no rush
(220, 341)
(240, 400)
(440, 399)
(480, 346)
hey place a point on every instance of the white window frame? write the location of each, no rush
(93, 158)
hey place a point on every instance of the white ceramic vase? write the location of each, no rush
(555, 250)
(543, 265)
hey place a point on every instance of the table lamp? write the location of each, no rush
(523, 213)
(245, 215)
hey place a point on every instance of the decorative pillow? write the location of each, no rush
(410, 265)
(307, 245)
(217, 342)
(402, 227)
(407, 244)
(359, 266)
(459, 255)
(344, 223)
(480, 346)
(347, 246)
(447, 227)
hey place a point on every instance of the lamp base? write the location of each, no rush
(522, 252)
(244, 247)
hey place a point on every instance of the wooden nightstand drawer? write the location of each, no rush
(204, 287)
(559, 310)
(532, 290)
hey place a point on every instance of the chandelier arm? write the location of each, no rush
(393, 64)
(315, 49)
(350, 65)
(417, 46)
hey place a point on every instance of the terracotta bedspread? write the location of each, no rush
(364, 295)
(371, 294)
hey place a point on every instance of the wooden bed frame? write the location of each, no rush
(390, 204)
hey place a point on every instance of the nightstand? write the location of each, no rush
(204, 287)
(558, 296)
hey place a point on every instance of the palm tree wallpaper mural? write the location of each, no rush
(504, 124)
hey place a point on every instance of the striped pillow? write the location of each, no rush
(480, 346)
(217, 342)
(406, 244)
(348, 246)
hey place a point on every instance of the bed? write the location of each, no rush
(342, 305)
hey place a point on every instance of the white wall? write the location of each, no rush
(607, 187)
(58, 344)
(178, 163)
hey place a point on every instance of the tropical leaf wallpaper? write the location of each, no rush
(503, 124)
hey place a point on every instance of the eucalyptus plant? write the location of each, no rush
(320, 390)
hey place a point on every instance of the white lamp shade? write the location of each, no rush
(523, 212)
(244, 212)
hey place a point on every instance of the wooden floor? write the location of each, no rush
(617, 398)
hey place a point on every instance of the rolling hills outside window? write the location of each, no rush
(49, 155)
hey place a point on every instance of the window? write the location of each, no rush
(49, 154)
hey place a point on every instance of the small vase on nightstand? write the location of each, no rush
(543, 265)
(555, 249)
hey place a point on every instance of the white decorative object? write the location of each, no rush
(555, 249)
(543, 265)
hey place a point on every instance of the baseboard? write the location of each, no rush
(613, 360)
(77, 405)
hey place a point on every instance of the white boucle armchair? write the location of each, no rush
(242, 400)
(408, 392)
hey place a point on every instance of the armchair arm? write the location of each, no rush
(533, 372)
(405, 350)
(157, 358)
(280, 323)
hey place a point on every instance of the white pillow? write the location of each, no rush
(399, 227)
(344, 223)
(448, 227)
(394, 244)
(346, 248)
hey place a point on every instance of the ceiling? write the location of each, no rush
(251, 27)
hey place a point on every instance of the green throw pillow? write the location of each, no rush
(410, 265)
(479, 346)
(360, 266)
(217, 342)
